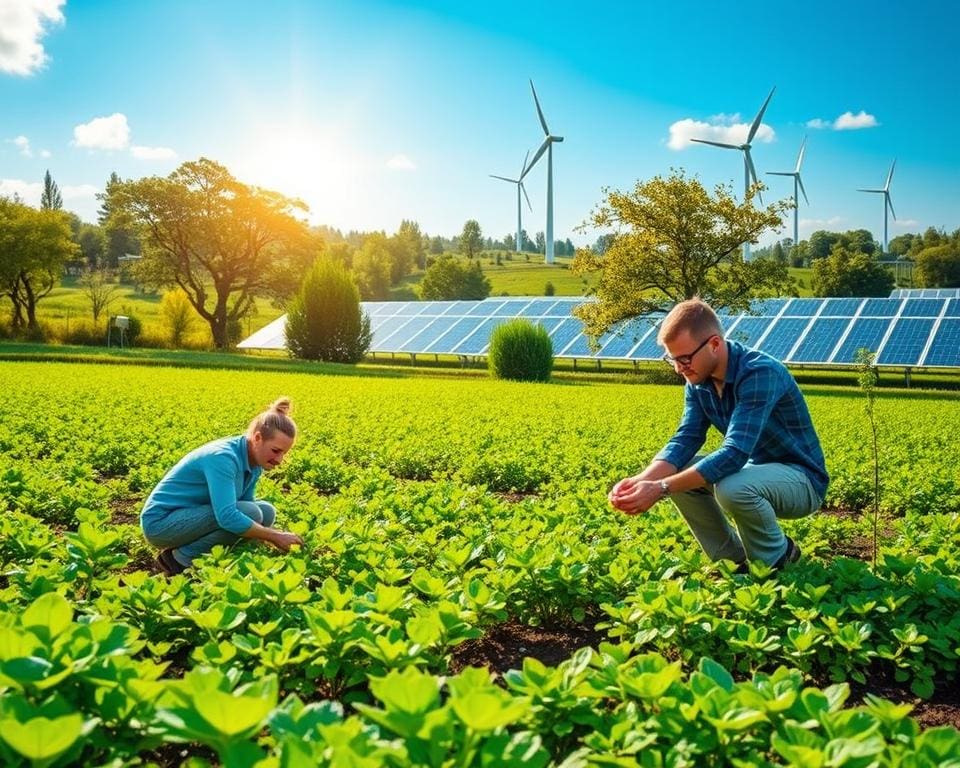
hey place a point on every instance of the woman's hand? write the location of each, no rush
(283, 540)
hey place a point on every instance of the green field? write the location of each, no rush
(451, 525)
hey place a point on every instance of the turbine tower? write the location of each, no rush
(748, 170)
(520, 187)
(886, 202)
(547, 147)
(797, 188)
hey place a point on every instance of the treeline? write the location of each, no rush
(852, 263)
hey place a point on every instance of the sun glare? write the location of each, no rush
(320, 169)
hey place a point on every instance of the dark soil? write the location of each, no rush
(515, 498)
(857, 547)
(125, 511)
(943, 708)
(173, 755)
(505, 646)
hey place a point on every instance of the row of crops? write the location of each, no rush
(433, 512)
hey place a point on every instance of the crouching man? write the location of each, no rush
(770, 465)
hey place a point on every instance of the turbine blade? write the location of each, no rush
(878, 191)
(504, 178)
(543, 148)
(543, 122)
(525, 158)
(716, 144)
(803, 147)
(890, 176)
(759, 118)
(890, 203)
(525, 195)
(753, 171)
(781, 173)
(800, 182)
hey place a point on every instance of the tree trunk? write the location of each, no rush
(30, 300)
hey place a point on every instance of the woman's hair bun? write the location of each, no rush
(282, 405)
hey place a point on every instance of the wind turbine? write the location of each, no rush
(547, 147)
(748, 170)
(797, 187)
(520, 187)
(886, 202)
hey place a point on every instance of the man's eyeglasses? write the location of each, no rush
(685, 360)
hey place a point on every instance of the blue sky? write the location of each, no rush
(373, 112)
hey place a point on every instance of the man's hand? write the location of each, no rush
(632, 495)
(283, 540)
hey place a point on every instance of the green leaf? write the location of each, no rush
(40, 739)
(232, 715)
(487, 710)
(411, 691)
(50, 613)
(717, 673)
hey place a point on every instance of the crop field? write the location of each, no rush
(465, 595)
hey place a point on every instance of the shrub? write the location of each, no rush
(178, 315)
(521, 351)
(548, 289)
(449, 279)
(83, 333)
(324, 321)
(133, 328)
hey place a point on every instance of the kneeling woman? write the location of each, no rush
(207, 498)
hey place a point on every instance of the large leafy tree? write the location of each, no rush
(673, 240)
(846, 272)
(34, 246)
(214, 237)
(939, 266)
(449, 278)
(120, 239)
(471, 239)
(371, 267)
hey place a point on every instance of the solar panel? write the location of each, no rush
(782, 336)
(864, 333)
(909, 331)
(820, 341)
(906, 341)
(945, 347)
(935, 293)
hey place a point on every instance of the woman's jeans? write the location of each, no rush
(755, 497)
(194, 531)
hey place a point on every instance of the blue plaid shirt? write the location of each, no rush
(762, 416)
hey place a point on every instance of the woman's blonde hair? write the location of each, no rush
(694, 316)
(275, 419)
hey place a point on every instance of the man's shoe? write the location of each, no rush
(169, 564)
(790, 556)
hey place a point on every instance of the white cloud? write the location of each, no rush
(724, 119)
(22, 24)
(401, 163)
(152, 153)
(815, 223)
(79, 192)
(682, 131)
(103, 133)
(846, 122)
(23, 144)
(45, 153)
(28, 191)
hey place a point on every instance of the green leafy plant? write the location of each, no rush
(521, 351)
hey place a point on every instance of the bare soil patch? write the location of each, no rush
(505, 646)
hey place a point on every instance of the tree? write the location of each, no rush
(178, 315)
(410, 234)
(849, 273)
(92, 245)
(603, 243)
(900, 245)
(100, 291)
(471, 239)
(371, 267)
(778, 254)
(34, 246)
(674, 240)
(541, 242)
(436, 245)
(119, 236)
(50, 199)
(211, 235)
(938, 266)
(449, 279)
(324, 320)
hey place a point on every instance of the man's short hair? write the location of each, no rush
(694, 316)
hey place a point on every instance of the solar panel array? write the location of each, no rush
(926, 293)
(914, 331)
